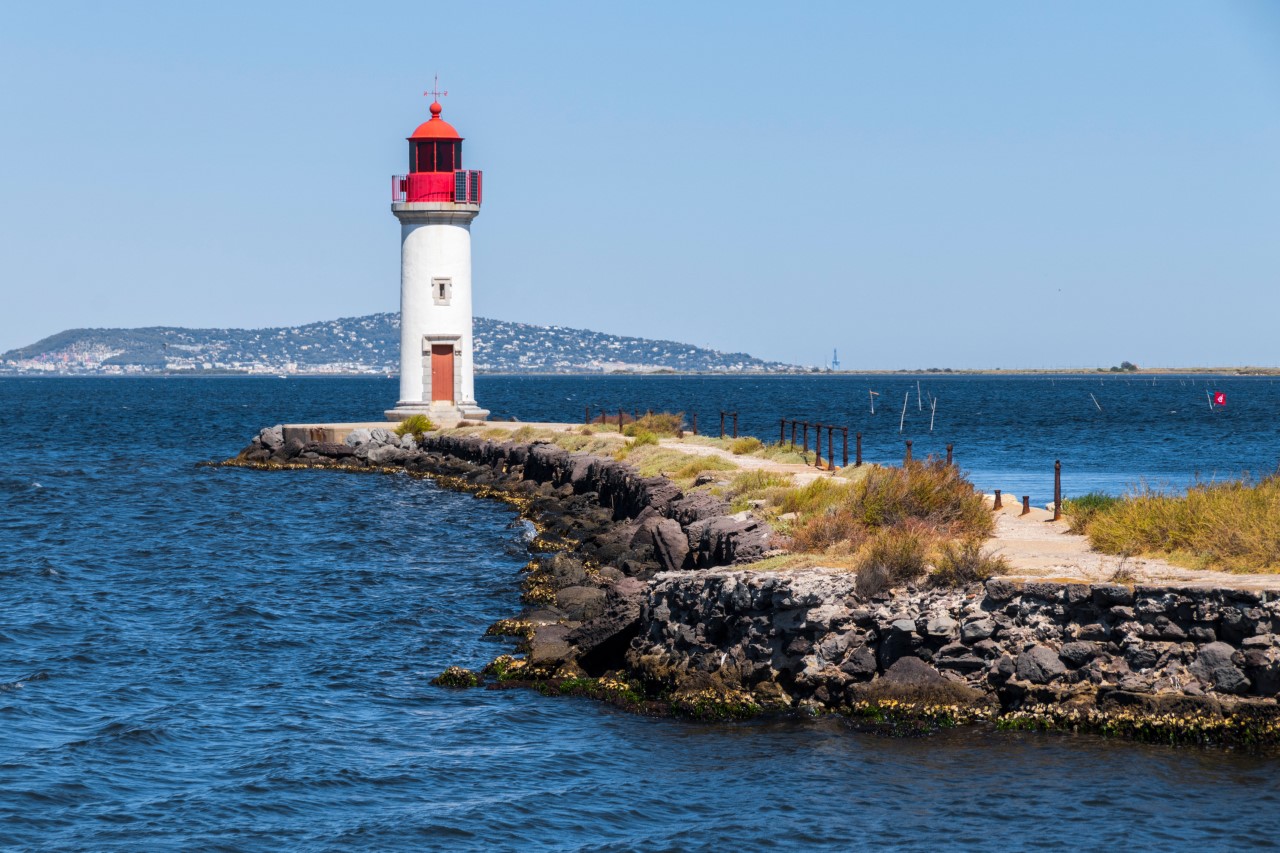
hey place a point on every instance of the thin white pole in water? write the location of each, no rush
(902, 420)
(1209, 397)
(872, 394)
(933, 411)
(1095, 402)
(919, 403)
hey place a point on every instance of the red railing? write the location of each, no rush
(462, 187)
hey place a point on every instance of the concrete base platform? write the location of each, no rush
(335, 433)
(441, 414)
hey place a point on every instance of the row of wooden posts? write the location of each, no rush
(803, 427)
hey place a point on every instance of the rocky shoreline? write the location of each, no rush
(634, 597)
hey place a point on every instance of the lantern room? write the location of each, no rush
(435, 166)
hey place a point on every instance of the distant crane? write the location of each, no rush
(835, 359)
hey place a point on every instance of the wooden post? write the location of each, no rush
(619, 420)
(722, 424)
(907, 458)
(735, 424)
(782, 431)
(695, 423)
(998, 504)
(1057, 490)
(1026, 505)
(949, 446)
(793, 434)
(586, 414)
(805, 424)
(831, 448)
(817, 445)
(844, 446)
(859, 459)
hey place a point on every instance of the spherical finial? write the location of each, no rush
(435, 109)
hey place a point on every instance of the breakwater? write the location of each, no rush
(635, 599)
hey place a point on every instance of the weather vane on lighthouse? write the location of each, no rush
(435, 92)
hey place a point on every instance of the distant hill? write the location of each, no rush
(369, 344)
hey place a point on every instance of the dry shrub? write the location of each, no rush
(894, 556)
(930, 491)
(663, 423)
(966, 562)
(745, 446)
(1233, 525)
(826, 530)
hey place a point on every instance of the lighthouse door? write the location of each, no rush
(442, 372)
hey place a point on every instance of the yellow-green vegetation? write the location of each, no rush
(415, 425)
(681, 468)
(893, 556)
(511, 628)
(642, 437)
(1243, 726)
(745, 446)
(1080, 511)
(1232, 526)
(456, 676)
(756, 485)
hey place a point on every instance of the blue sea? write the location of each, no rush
(197, 658)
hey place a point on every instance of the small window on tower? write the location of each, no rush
(442, 290)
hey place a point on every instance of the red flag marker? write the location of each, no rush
(1219, 398)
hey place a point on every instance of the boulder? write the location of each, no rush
(913, 672)
(670, 544)
(357, 437)
(386, 454)
(602, 642)
(977, 630)
(1217, 665)
(272, 438)
(581, 603)
(1039, 665)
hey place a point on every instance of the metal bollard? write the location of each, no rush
(805, 424)
(998, 504)
(586, 414)
(793, 435)
(1026, 505)
(949, 454)
(859, 459)
(831, 449)
(817, 445)
(619, 420)
(844, 446)
(1057, 490)
(735, 424)
(782, 431)
(908, 456)
(695, 423)
(722, 424)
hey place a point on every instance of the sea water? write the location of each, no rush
(222, 659)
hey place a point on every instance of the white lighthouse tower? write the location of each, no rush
(435, 204)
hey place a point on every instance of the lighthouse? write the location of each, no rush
(436, 203)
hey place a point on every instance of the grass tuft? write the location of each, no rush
(965, 562)
(416, 426)
(745, 446)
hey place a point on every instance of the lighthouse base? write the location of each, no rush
(441, 414)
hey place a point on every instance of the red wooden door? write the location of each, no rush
(442, 372)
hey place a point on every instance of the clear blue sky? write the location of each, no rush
(919, 184)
